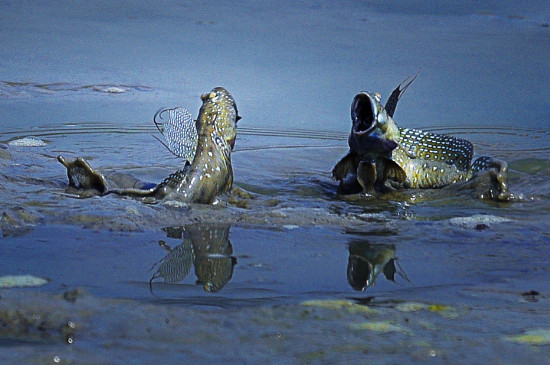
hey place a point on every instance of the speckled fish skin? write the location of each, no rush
(440, 159)
(384, 155)
(211, 173)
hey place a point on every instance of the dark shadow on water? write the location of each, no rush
(204, 247)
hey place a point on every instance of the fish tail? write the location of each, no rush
(499, 176)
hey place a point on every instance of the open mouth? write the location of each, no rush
(362, 114)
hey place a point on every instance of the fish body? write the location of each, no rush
(383, 156)
(210, 174)
(204, 144)
(437, 160)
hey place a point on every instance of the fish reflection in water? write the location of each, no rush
(204, 246)
(366, 261)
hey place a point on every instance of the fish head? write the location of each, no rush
(373, 131)
(219, 111)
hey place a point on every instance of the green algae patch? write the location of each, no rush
(340, 305)
(533, 337)
(21, 281)
(381, 326)
(443, 310)
(410, 307)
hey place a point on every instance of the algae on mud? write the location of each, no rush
(92, 328)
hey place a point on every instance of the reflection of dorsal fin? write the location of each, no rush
(179, 130)
(389, 270)
(396, 94)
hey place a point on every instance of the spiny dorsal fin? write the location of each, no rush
(179, 130)
(396, 94)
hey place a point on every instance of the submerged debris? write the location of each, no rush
(21, 281)
(532, 337)
(478, 221)
(443, 310)
(380, 326)
(343, 305)
(27, 142)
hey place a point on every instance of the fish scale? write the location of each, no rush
(177, 265)
(481, 163)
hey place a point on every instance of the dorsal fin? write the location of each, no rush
(396, 94)
(179, 130)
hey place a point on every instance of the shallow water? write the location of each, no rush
(290, 210)
(289, 239)
(462, 275)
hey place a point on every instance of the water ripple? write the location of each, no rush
(12, 89)
(487, 139)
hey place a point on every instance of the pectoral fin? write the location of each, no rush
(393, 171)
(366, 176)
(345, 166)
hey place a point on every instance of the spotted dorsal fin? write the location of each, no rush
(438, 147)
(396, 94)
(179, 130)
